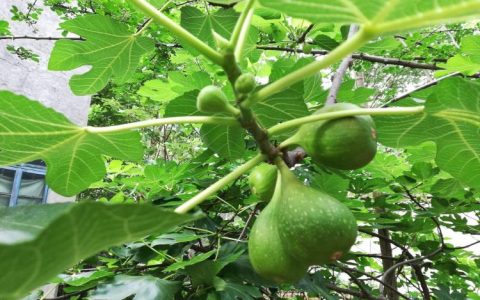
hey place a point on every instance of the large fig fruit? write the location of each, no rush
(315, 227)
(266, 250)
(299, 227)
(345, 143)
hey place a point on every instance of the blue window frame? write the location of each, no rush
(23, 184)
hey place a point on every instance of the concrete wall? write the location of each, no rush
(33, 79)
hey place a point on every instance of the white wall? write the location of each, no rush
(33, 79)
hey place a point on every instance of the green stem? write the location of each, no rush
(149, 22)
(456, 12)
(159, 122)
(243, 21)
(202, 196)
(285, 126)
(311, 69)
(179, 31)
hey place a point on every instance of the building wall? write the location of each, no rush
(33, 79)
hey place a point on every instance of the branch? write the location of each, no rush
(343, 268)
(350, 292)
(366, 57)
(302, 38)
(342, 69)
(40, 38)
(420, 88)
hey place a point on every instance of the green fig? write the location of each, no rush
(211, 99)
(262, 181)
(266, 250)
(314, 227)
(345, 143)
(307, 48)
(245, 84)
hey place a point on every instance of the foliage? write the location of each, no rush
(416, 204)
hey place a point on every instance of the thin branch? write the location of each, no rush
(420, 88)
(342, 69)
(302, 38)
(350, 292)
(365, 57)
(343, 268)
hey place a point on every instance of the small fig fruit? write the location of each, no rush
(211, 99)
(307, 48)
(245, 84)
(262, 181)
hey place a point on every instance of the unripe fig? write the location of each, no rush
(307, 48)
(345, 143)
(266, 250)
(211, 99)
(315, 228)
(245, 84)
(299, 227)
(262, 181)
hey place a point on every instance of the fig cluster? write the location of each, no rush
(302, 226)
(299, 227)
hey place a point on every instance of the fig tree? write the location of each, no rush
(346, 143)
(211, 99)
(262, 181)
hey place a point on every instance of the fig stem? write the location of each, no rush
(163, 121)
(150, 10)
(212, 189)
(395, 111)
(240, 32)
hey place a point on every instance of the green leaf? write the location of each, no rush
(233, 291)
(226, 141)
(380, 46)
(384, 16)
(186, 263)
(451, 120)
(202, 25)
(176, 85)
(29, 131)
(84, 277)
(45, 240)
(4, 28)
(184, 105)
(110, 48)
(289, 104)
(468, 62)
(143, 287)
(325, 42)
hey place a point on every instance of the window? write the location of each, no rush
(23, 184)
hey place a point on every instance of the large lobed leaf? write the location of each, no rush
(385, 15)
(38, 242)
(451, 120)
(30, 131)
(111, 49)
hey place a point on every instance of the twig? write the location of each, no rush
(365, 57)
(302, 38)
(338, 77)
